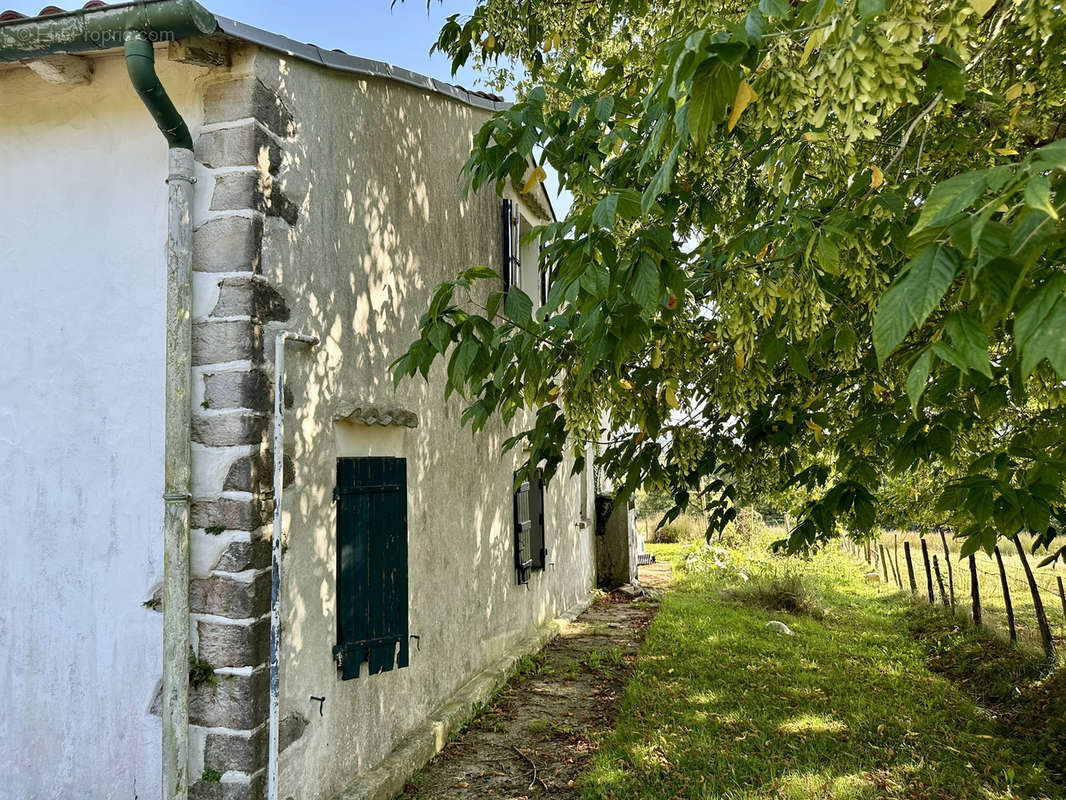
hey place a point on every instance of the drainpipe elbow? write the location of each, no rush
(140, 64)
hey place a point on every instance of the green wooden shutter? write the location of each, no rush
(372, 619)
(537, 547)
(523, 525)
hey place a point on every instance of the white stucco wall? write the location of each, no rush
(376, 168)
(82, 231)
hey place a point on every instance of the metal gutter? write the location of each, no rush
(103, 28)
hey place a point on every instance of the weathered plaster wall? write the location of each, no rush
(82, 231)
(374, 167)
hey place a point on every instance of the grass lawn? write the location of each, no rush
(718, 707)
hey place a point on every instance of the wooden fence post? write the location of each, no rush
(1062, 595)
(928, 573)
(975, 592)
(910, 566)
(895, 559)
(1038, 604)
(947, 560)
(1006, 597)
(884, 565)
(940, 582)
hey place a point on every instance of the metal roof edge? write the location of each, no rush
(355, 65)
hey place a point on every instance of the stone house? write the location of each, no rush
(205, 461)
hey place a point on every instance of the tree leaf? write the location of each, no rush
(970, 341)
(535, 177)
(774, 8)
(745, 96)
(917, 379)
(877, 177)
(950, 197)
(604, 213)
(517, 306)
(1038, 196)
(661, 181)
(870, 8)
(1040, 328)
(1054, 154)
(713, 87)
(907, 304)
(645, 286)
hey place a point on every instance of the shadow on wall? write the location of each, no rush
(375, 171)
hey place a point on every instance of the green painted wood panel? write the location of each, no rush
(372, 600)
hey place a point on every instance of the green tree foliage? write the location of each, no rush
(815, 245)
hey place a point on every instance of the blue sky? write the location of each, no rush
(370, 28)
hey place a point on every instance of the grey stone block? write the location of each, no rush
(250, 297)
(228, 244)
(230, 514)
(229, 597)
(226, 751)
(236, 191)
(245, 145)
(227, 429)
(256, 474)
(234, 645)
(256, 790)
(250, 389)
(239, 556)
(238, 702)
(247, 97)
(220, 342)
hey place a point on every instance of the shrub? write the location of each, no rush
(780, 591)
(682, 529)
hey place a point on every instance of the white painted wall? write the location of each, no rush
(82, 231)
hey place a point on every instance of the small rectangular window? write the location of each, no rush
(372, 606)
(531, 553)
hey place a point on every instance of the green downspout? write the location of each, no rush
(177, 472)
(140, 64)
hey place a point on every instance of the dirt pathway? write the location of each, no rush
(544, 726)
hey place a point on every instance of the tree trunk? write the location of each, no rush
(1006, 597)
(928, 573)
(947, 561)
(975, 592)
(1038, 604)
(910, 566)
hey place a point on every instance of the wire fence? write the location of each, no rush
(1006, 591)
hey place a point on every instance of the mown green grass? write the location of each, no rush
(847, 708)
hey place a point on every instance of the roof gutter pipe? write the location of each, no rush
(177, 475)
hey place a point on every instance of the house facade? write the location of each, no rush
(394, 567)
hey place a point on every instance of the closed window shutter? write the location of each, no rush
(523, 525)
(372, 610)
(538, 549)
